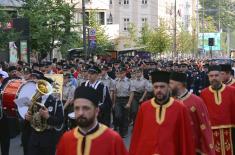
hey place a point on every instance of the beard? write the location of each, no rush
(174, 92)
(215, 84)
(161, 97)
(84, 122)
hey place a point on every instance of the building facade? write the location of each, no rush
(117, 16)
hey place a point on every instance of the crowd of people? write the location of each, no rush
(171, 108)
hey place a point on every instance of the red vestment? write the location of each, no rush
(162, 133)
(200, 123)
(220, 105)
(231, 83)
(104, 141)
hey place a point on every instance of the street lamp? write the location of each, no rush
(84, 27)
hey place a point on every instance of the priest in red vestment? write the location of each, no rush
(162, 126)
(89, 137)
(220, 101)
(226, 75)
(198, 112)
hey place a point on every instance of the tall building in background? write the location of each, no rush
(132, 12)
(103, 17)
(137, 12)
(116, 16)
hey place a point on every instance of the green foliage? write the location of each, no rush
(145, 35)
(209, 25)
(51, 22)
(157, 40)
(9, 35)
(103, 42)
(222, 11)
(132, 30)
(184, 41)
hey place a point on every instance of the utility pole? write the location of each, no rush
(198, 26)
(84, 28)
(203, 14)
(219, 17)
(174, 46)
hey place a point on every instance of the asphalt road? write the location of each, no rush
(17, 149)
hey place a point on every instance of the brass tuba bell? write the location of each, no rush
(38, 123)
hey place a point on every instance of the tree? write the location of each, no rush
(223, 11)
(6, 35)
(103, 42)
(145, 35)
(133, 38)
(51, 22)
(209, 25)
(159, 40)
(184, 41)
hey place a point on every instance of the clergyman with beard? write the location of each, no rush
(162, 125)
(199, 115)
(90, 136)
(220, 102)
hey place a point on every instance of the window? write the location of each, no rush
(100, 18)
(126, 2)
(187, 5)
(144, 1)
(187, 21)
(110, 19)
(126, 23)
(76, 17)
(86, 18)
(144, 21)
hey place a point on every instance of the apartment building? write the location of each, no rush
(137, 12)
(117, 15)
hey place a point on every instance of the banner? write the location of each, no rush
(13, 58)
(23, 51)
(57, 85)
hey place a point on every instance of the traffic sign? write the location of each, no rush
(92, 44)
(92, 32)
(92, 37)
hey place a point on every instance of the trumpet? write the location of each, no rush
(38, 123)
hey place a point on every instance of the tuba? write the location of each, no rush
(38, 123)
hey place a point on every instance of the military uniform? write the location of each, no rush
(81, 80)
(108, 82)
(45, 142)
(196, 85)
(68, 93)
(140, 87)
(123, 88)
(149, 88)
